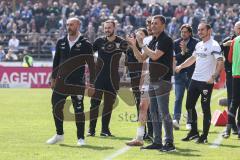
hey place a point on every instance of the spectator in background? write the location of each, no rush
(173, 28)
(156, 9)
(48, 44)
(2, 54)
(10, 56)
(40, 16)
(13, 43)
(55, 9)
(52, 23)
(90, 34)
(75, 9)
(179, 11)
(26, 14)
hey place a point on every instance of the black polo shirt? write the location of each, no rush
(162, 67)
(225, 50)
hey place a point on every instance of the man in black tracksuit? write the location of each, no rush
(228, 70)
(110, 49)
(68, 78)
(225, 46)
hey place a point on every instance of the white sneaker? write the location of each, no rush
(55, 139)
(176, 125)
(80, 142)
(188, 126)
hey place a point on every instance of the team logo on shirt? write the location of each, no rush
(110, 46)
(78, 45)
(202, 55)
(80, 97)
(205, 92)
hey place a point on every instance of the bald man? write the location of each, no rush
(71, 50)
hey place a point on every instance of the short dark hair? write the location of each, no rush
(208, 26)
(143, 30)
(110, 21)
(188, 27)
(148, 20)
(161, 18)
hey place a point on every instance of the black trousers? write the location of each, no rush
(235, 102)
(197, 88)
(58, 101)
(229, 81)
(109, 100)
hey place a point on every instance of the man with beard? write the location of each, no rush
(183, 48)
(109, 48)
(209, 63)
(72, 50)
(160, 53)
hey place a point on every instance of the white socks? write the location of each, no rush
(140, 132)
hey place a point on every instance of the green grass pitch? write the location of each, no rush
(26, 123)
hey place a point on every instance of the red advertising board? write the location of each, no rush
(21, 77)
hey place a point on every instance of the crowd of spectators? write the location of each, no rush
(35, 27)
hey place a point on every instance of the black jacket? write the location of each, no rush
(225, 50)
(181, 58)
(70, 63)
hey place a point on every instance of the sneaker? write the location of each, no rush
(90, 134)
(176, 125)
(55, 139)
(106, 134)
(135, 142)
(80, 142)
(202, 139)
(168, 147)
(188, 126)
(190, 136)
(227, 132)
(153, 146)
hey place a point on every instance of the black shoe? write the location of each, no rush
(106, 134)
(90, 134)
(168, 147)
(234, 131)
(191, 135)
(227, 132)
(153, 146)
(202, 139)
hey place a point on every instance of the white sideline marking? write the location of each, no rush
(118, 152)
(217, 141)
(215, 144)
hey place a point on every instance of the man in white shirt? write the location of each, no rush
(209, 62)
(13, 43)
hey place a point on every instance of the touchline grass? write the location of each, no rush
(26, 123)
